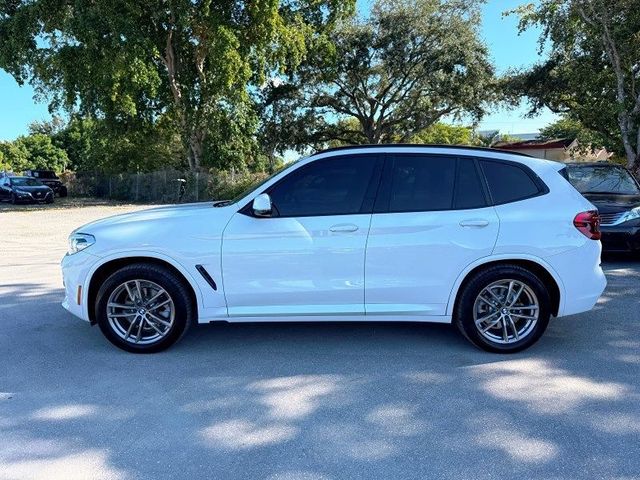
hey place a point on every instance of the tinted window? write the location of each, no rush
(602, 179)
(508, 183)
(469, 191)
(421, 183)
(333, 186)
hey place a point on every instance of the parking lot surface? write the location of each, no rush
(305, 401)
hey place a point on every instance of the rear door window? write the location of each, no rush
(421, 183)
(469, 192)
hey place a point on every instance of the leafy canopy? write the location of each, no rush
(194, 62)
(403, 69)
(592, 71)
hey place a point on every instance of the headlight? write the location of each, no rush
(631, 215)
(80, 241)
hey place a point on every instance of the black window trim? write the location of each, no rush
(384, 191)
(543, 189)
(371, 191)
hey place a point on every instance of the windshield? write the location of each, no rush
(604, 179)
(25, 182)
(44, 174)
(257, 185)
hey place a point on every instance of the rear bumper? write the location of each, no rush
(583, 280)
(621, 238)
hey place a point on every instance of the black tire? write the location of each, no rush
(464, 310)
(50, 200)
(170, 282)
(62, 192)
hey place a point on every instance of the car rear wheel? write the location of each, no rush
(143, 308)
(63, 191)
(503, 309)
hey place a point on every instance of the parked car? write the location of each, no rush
(50, 179)
(616, 193)
(492, 241)
(24, 190)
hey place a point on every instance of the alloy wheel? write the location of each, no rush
(506, 311)
(140, 312)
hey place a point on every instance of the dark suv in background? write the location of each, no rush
(616, 192)
(50, 179)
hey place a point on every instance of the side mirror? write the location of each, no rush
(262, 205)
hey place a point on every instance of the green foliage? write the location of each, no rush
(32, 151)
(14, 156)
(394, 74)
(592, 68)
(568, 127)
(225, 184)
(193, 62)
(445, 134)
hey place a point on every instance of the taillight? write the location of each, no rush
(589, 224)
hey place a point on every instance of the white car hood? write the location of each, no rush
(171, 229)
(166, 213)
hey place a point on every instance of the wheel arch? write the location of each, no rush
(102, 271)
(537, 266)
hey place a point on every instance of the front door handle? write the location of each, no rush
(343, 228)
(477, 223)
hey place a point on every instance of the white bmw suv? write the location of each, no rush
(493, 242)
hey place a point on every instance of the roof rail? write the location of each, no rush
(422, 145)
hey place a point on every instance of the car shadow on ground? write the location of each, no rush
(319, 400)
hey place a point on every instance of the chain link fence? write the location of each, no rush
(165, 186)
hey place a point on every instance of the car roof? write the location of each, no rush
(486, 153)
(392, 146)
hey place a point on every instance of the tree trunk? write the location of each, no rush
(196, 147)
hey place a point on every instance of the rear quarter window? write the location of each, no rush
(509, 182)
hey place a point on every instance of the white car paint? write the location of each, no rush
(398, 266)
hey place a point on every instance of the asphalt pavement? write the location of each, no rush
(305, 401)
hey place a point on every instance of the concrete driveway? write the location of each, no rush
(330, 401)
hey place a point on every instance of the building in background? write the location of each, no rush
(560, 149)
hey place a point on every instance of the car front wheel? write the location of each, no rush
(503, 309)
(143, 308)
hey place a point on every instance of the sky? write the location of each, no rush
(507, 48)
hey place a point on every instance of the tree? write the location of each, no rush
(445, 134)
(194, 61)
(15, 156)
(33, 151)
(592, 72)
(405, 68)
(42, 153)
(567, 127)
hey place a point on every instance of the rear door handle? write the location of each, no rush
(477, 223)
(343, 228)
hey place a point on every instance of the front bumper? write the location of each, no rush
(30, 197)
(75, 271)
(621, 238)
